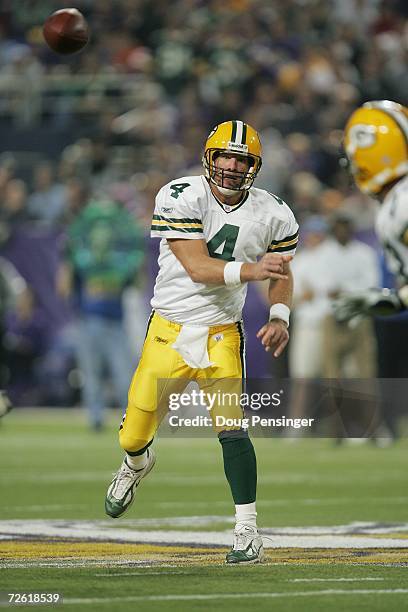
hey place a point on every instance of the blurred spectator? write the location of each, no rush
(350, 266)
(48, 201)
(12, 286)
(305, 190)
(329, 202)
(22, 75)
(103, 255)
(311, 302)
(14, 209)
(77, 195)
(23, 336)
(310, 307)
(25, 342)
(320, 347)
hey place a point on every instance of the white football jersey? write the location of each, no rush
(392, 229)
(186, 208)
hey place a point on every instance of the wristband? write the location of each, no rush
(280, 311)
(232, 273)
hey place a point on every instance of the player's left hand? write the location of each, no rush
(274, 336)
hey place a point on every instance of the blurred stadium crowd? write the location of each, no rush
(132, 111)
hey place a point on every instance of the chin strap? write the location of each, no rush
(227, 192)
(224, 190)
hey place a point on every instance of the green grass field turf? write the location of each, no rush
(52, 467)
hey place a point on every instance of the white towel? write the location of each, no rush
(191, 344)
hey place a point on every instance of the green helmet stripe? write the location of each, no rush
(234, 131)
(244, 133)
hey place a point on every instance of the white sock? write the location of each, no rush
(245, 514)
(138, 462)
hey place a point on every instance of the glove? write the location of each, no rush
(368, 303)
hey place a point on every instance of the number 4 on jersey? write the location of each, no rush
(178, 188)
(226, 236)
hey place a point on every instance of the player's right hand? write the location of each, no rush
(272, 266)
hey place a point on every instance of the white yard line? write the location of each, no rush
(355, 535)
(171, 573)
(63, 563)
(333, 579)
(41, 508)
(217, 596)
(142, 574)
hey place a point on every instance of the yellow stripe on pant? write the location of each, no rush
(159, 361)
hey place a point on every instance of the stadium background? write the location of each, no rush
(119, 120)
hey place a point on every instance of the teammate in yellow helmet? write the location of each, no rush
(376, 144)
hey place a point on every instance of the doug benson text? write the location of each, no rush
(222, 421)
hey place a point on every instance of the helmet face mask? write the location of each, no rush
(226, 178)
(376, 144)
(232, 139)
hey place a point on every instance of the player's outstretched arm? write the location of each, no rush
(195, 259)
(370, 303)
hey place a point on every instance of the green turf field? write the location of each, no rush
(167, 553)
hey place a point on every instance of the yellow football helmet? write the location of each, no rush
(376, 144)
(233, 137)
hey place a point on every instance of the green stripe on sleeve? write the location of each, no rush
(291, 247)
(169, 228)
(286, 239)
(174, 220)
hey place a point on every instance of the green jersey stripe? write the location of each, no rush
(175, 220)
(291, 247)
(295, 235)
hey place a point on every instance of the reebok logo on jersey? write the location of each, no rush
(167, 210)
(160, 340)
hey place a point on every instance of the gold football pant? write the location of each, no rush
(148, 399)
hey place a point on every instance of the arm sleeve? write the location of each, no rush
(177, 214)
(286, 238)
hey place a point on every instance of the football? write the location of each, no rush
(66, 31)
